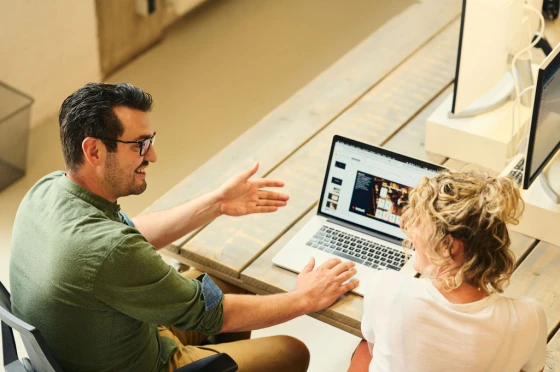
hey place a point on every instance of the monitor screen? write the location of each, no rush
(544, 134)
(368, 186)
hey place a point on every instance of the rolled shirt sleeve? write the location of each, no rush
(211, 293)
(134, 280)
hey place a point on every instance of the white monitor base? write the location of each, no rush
(541, 218)
(484, 139)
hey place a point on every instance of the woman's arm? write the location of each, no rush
(361, 357)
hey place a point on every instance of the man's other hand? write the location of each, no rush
(240, 195)
(322, 286)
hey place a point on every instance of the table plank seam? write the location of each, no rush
(553, 332)
(526, 253)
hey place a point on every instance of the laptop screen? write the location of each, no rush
(369, 186)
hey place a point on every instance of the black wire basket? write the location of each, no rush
(15, 109)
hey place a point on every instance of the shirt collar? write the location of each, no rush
(112, 209)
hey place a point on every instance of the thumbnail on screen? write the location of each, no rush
(379, 198)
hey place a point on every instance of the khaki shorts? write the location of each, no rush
(270, 354)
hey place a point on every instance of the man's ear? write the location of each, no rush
(94, 151)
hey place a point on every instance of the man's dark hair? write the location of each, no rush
(88, 112)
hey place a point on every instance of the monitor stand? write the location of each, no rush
(502, 92)
(485, 139)
(541, 217)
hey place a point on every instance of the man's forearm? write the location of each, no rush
(248, 312)
(164, 227)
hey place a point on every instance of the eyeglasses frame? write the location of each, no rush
(139, 143)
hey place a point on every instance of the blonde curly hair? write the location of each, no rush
(471, 207)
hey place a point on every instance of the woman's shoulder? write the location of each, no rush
(522, 302)
(526, 307)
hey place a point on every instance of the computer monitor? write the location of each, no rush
(544, 133)
(491, 31)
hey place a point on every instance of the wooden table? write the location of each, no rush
(381, 93)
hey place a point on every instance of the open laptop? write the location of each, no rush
(362, 200)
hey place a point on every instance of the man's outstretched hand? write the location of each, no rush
(240, 195)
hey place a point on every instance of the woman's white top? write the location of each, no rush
(415, 328)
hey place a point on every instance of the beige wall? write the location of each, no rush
(48, 49)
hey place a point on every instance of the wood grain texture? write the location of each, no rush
(553, 354)
(229, 245)
(289, 126)
(411, 140)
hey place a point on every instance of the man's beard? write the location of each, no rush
(120, 183)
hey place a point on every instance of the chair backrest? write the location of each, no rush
(39, 354)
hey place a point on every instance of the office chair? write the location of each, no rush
(41, 360)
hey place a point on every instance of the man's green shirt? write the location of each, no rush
(95, 288)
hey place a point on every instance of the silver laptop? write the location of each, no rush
(362, 200)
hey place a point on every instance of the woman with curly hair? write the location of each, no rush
(455, 317)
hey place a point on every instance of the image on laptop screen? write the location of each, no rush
(369, 186)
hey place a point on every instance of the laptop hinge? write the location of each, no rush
(390, 239)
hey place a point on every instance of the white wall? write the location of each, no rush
(48, 49)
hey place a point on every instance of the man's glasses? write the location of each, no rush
(144, 144)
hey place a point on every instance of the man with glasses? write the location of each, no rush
(89, 278)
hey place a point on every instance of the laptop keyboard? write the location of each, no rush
(517, 171)
(351, 247)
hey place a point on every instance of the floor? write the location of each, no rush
(215, 73)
